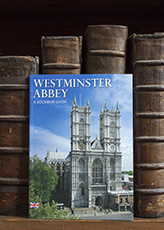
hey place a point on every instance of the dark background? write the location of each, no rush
(23, 22)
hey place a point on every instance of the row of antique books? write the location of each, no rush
(102, 50)
(106, 50)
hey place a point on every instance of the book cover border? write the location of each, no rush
(79, 96)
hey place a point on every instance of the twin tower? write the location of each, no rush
(109, 128)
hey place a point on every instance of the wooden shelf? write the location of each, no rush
(9, 222)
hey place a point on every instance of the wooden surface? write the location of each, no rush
(14, 223)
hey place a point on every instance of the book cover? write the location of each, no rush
(81, 151)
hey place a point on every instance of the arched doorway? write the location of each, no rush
(98, 201)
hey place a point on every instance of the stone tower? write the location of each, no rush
(80, 127)
(80, 145)
(109, 123)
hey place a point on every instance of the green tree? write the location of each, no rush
(129, 172)
(41, 184)
(43, 179)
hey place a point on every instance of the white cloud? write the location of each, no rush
(127, 148)
(120, 91)
(41, 139)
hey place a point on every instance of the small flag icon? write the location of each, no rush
(34, 205)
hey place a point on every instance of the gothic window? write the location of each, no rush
(81, 169)
(112, 165)
(82, 189)
(97, 172)
(58, 167)
(121, 200)
(81, 127)
(63, 166)
(112, 176)
(112, 129)
(81, 165)
(126, 200)
(101, 126)
(81, 177)
(112, 187)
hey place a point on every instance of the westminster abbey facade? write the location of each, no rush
(91, 174)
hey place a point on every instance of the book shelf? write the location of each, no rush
(22, 23)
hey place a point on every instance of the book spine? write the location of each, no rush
(148, 67)
(14, 130)
(61, 55)
(105, 47)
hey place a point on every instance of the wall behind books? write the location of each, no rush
(22, 23)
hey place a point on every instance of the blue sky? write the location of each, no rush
(50, 123)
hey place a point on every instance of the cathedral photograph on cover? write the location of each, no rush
(81, 147)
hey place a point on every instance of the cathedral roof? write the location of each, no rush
(57, 155)
(96, 144)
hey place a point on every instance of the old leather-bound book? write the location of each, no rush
(148, 69)
(14, 132)
(61, 55)
(105, 49)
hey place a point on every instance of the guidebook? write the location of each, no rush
(81, 151)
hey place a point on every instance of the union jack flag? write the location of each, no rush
(34, 205)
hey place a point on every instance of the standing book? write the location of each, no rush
(14, 129)
(81, 147)
(148, 67)
(61, 54)
(105, 49)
